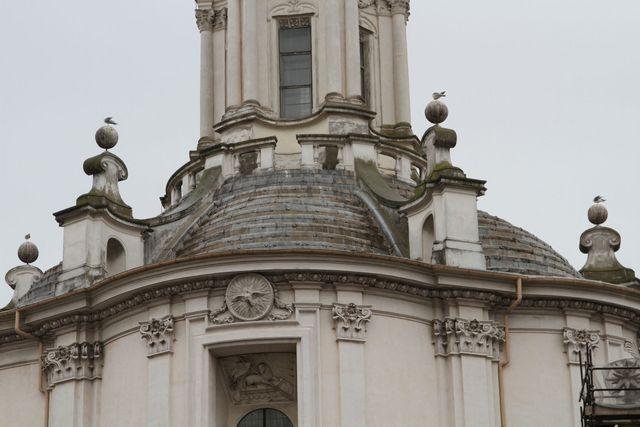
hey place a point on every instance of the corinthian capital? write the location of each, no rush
(204, 19)
(400, 6)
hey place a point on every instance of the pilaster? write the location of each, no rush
(351, 322)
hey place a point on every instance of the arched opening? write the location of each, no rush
(115, 257)
(265, 417)
(428, 237)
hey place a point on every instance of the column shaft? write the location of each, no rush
(401, 68)
(219, 78)
(334, 47)
(206, 82)
(249, 51)
(234, 48)
(352, 43)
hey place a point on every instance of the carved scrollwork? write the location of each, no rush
(158, 334)
(577, 341)
(462, 336)
(73, 362)
(351, 321)
(250, 297)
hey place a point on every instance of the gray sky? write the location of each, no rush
(544, 95)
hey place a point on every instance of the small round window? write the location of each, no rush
(265, 418)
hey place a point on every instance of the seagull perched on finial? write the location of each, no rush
(438, 95)
(109, 121)
(599, 199)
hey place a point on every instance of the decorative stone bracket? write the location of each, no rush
(158, 334)
(351, 321)
(475, 337)
(577, 340)
(78, 361)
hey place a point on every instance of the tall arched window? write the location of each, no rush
(265, 417)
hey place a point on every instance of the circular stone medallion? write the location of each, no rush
(249, 297)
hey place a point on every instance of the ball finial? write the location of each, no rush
(28, 252)
(107, 135)
(598, 213)
(436, 111)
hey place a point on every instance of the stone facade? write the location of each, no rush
(333, 268)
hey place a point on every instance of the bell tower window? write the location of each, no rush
(295, 67)
(265, 418)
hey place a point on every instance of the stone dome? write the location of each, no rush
(322, 210)
(512, 249)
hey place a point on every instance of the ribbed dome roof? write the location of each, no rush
(286, 209)
(321, 210)
(511, 249)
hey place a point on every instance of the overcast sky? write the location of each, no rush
(544, 95)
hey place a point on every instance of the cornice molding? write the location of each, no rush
(492, 299)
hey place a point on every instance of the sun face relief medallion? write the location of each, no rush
(249, 297)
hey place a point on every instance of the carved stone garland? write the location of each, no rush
(351, 321)
(577, 340)
(78, 361)
(158, 334)
(251, 297)
(461, 336)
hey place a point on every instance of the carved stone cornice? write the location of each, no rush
(351, 321)
(204, 19)
(577, 340)
(158, 334)
(78, 361)
(250, 297)
(220, 19)
(473, 337)
(322, 278)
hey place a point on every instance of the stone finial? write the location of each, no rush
(437, 111)
(28, 252)
(22, 277)
(107, 135)
(107, 171)
(600, 244)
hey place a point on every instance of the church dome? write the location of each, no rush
(512, 249)
(322, 210)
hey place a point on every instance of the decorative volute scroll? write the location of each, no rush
(577, 340)
(351, 321)
(474, 337)
(260, 378)
(251, 297)
(78, 361)
(158, 334)
(600, 244)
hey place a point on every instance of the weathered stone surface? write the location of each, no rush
(286, 209)
(511, 249)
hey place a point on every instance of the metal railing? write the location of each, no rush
(593, 396)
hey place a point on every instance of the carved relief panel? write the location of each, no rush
(260, 378)
(251, 297)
